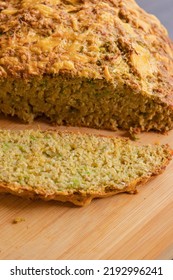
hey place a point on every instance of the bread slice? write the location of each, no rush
(75, 167)
(102, 64)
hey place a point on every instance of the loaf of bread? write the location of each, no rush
(75, 167)
(102, 64)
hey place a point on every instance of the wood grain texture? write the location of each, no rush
(120, 227)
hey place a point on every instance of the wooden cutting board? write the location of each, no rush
(120, 227)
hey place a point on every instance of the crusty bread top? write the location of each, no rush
(111, 39)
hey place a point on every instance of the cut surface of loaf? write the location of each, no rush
(75, 167)
(102, 64)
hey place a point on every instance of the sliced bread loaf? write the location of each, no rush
(103, 64)
(74, 167)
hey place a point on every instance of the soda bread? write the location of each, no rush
(73, 167)
(88, 63)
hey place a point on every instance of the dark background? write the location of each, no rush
(163, 9)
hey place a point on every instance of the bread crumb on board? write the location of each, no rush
(18, 220)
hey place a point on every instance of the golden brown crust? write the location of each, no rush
(112, 40)
(101, 64)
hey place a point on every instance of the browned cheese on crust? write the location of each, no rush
(87, 63)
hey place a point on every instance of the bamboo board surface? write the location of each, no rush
(119, 227)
